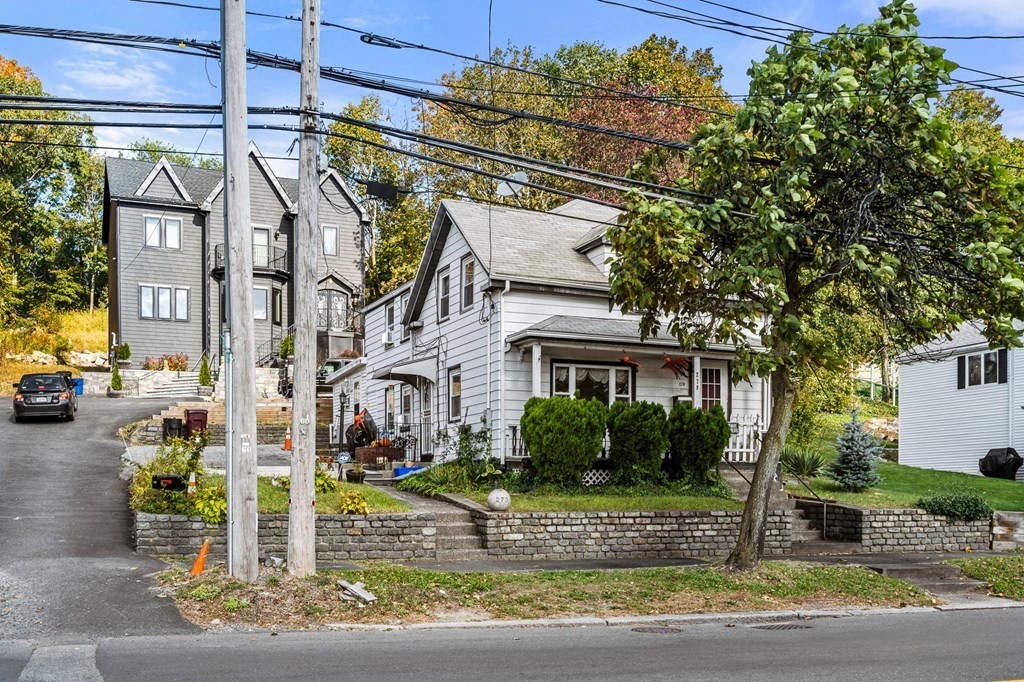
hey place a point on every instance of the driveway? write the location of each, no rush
(67, 566)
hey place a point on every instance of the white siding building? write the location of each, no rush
(958, 400)
(508, 304)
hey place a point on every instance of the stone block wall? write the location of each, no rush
(1008, 530)
(898, 530)
(610, 535)
(339, 537)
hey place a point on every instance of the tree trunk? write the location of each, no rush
(750, 544)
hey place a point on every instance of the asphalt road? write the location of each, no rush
(67, 569)
(964, 645)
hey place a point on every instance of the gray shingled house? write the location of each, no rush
(163, 225)
(508, 304)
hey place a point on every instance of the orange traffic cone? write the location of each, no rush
(287, 439)
(200, 562)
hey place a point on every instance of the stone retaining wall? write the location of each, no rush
(613, 535)
(898, 530)
(391, 537)
(1008, 530)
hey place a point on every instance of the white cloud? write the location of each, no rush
(997, 13)
(103, 69)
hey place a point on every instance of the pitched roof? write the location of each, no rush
(966, 339)
(527, 245)
(598, 330)
(125, 176)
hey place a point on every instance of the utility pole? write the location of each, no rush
(301, 512)
(239, 341)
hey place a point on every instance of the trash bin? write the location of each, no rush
(195, 422)
(79, 384)
(173, 428)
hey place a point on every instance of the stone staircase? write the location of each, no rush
(185, 385)
(457, 538)
(809, 541)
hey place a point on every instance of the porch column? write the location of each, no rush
(536, 360)
(696, 387)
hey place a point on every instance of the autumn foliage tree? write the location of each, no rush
(835, 187)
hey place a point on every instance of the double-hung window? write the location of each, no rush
(259, 303)
(162, 232)
(468, 269)
(404, 306)
(389, 407)
(444, 282)
(454, 394)
(392, 318)
(982, 369)
(163, 302)
(330, 238)
(607, 384)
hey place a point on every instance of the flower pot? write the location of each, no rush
(355, 476)
(499, 500)
(124, 364)
(205, 391)
(111, 393)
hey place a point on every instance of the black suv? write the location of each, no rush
(45, 395)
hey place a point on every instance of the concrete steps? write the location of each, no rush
(818, 547)
(737, 478)
(937, 579)
(457, 538)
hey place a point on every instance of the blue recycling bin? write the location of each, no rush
(79, 384)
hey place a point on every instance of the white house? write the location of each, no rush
(958, 400)
(508, 304)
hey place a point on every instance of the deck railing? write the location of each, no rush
(399, 442)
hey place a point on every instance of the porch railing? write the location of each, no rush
(398, 442)
(744, 443)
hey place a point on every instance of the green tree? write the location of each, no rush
(974, 118)
(857, 458)
(148, 149)
(856, 197)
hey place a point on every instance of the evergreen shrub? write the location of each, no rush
(697, 440)
(854, 467)
(564, 436)
(963, 505)
(638, 437)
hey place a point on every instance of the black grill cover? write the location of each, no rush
(1001, 463)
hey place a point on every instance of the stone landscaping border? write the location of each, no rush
(897, 530)
(339, 537)
(623, 534)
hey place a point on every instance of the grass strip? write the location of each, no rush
(1004, 574)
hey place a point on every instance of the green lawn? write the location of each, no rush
(1004, 574)
(530, 502)
(274, 500)
(903, 486)
(407, 595)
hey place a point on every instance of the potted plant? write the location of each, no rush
(124, 354)
(205, 379)
(499, 499)
(356, 474)
(116, 389)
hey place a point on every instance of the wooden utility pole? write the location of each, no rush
(301, 512)
(239, 341)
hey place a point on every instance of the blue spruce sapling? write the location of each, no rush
(854, 467)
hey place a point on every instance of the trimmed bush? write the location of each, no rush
(563, 436)
(638, 437)
(854, 467)
(962, 505)
(697, 440)
(205, 378)
(124, 352)
(116, 383)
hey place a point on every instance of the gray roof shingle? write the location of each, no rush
(530, 245)
(965, 339)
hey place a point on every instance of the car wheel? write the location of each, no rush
(20, 420)
(70, 416)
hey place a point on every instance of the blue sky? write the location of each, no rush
(457, 25)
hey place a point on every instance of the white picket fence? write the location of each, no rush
(745, 443)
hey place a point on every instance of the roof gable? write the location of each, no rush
(163, 167)
(271, 176)
(332, 177)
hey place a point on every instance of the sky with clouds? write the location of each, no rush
(96, 71)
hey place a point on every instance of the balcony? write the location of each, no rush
(264, 258)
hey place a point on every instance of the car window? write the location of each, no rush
(43, 384)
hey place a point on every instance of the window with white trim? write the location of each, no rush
(391, 322)
(710, 387)
(330, 239)
(981, 369)
(406, 404)
(444, 282)
(468, 268)
(260, 302)
(389, 407)
(404, 306)
(607, 384)
(455, 394)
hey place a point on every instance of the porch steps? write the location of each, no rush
(457, 538)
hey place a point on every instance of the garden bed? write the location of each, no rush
(405, 595)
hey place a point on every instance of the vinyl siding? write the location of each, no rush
(945, 428)
(162, 187)
(336, 210)
(166, 267)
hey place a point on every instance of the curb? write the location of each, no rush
(680, 619)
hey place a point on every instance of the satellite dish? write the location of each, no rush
(512, 185)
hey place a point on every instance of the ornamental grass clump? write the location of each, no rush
(563, 436)
(854, 467)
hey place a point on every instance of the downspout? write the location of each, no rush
(204, 211)
(501, 368)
